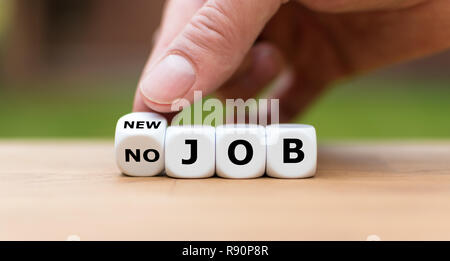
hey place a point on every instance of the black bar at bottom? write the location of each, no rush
(223, 250)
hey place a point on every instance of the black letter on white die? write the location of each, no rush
(193, 158)
(137, 156)
(155, 158)
(232, 150)
(287, 150)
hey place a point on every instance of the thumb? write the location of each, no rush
(206, 52)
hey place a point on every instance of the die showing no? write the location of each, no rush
(146, 146)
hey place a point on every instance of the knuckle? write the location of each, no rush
(212, 28)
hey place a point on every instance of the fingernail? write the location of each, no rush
(169, 80)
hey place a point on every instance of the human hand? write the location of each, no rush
(238, 47)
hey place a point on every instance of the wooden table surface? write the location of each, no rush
(52, 190)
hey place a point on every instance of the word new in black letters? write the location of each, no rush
(142, 124)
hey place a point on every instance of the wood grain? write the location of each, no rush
(50, 190)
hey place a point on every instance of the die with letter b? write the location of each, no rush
(291, 151)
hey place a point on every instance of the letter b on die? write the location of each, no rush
(291, 151)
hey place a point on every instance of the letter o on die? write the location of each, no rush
(240, 151)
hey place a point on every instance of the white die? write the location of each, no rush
(291, 151)
(190, 151)
(139, 143)
(240, 151)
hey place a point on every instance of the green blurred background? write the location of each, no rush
(69, 70)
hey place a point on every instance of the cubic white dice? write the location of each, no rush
(144, 146)
(139, 143)
(240, 151)
(190, 151)
(291, 151)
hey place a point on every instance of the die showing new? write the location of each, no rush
(139, 143)
(144, 146)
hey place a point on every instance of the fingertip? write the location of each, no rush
(141, 105)
(153, 106)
